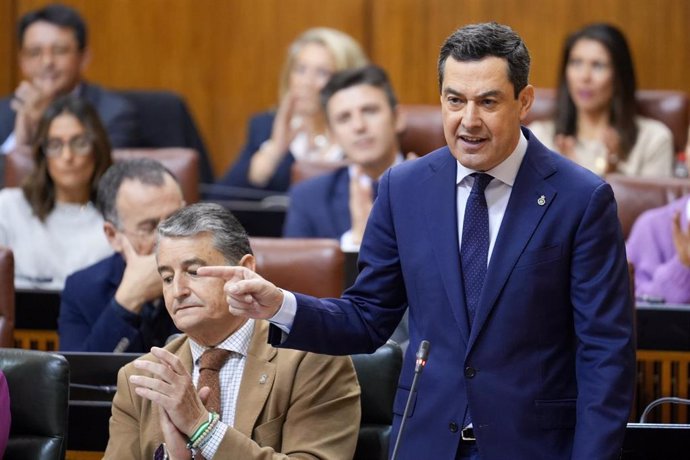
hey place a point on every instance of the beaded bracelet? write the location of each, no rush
(199, 431)
(203, 437)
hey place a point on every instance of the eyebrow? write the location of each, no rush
(490, 93)
(185, 264)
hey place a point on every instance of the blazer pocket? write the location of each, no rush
(556, 414)
(539, 256)
(270, 434)
(400, 401)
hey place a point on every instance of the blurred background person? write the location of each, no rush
(50, 223)
(596, 122)
(659, 249)
(363, 118)
(297, 129)
(116, 304)
(52, 56)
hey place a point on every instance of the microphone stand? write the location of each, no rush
(422, 355)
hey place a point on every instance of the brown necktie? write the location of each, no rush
(209, 364)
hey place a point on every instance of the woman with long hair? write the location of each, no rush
(297, 129)
(596, 123)
(50, 223)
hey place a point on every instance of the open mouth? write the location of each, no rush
(472, 140)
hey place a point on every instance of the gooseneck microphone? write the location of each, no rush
(422, 356)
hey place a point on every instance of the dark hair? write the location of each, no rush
(39, 188)
(477, 41)
(623, 108)
(59, 15)
(144, 170)
(368, 75)
(229, 237)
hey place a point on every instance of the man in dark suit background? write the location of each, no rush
(511, 261)
(362, 114)
(52, 56)
(116, 304)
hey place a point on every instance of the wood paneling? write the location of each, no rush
(224, 56)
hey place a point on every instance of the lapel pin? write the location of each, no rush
(263, 379)
(541, 201)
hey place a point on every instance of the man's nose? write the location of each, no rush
(471, 117)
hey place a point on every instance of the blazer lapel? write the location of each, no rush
(257, 380)
(340, 206)
(442, 231)
(529, 200)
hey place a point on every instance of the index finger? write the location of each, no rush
(226, 272)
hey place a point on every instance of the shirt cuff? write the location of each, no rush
(346, 243)
(285, 316)
(9, 144)
(210, 447)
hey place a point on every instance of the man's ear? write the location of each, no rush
(400, 120)
(111, 234)
(248, 261)
(526, 98)
(85, 60)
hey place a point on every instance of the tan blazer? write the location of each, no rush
(308, 407)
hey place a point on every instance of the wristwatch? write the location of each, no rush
(161, 453)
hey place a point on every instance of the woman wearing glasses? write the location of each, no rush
(50, 222)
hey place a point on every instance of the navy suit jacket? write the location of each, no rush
(91, 320)
(260, 128)
(118, 115)
(548, 366)
(319, 207)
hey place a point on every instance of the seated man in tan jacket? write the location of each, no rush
(262, 403)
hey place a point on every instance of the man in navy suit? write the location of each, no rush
(362, 114)
(53, 54)
(538, 361)
(116, 304)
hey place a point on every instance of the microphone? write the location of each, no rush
(422, 356)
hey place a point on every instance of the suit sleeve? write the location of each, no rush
(125, 431)
(605, 361)
(80, 332)
(368, 313)
(322, 420)
(298, 222)
(259, 131)
(120, 119)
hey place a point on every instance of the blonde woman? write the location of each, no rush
(297, 129)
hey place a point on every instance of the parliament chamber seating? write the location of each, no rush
(670, 107)
(635, 195)
(165, 121)
(182, 162)
(39, 389)
(6, 297)
(312, 266)
(378, 375)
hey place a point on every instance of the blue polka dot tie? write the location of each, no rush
(475, 243)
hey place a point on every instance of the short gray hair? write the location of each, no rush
(144, 170)
(229, 237)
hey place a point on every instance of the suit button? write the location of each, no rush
(470, 372)
(453, 427)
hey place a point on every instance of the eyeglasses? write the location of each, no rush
(144, 230)
(78, 145)
(56, 51)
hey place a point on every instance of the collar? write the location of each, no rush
(366, 180)
(238, 342)
(506, 171)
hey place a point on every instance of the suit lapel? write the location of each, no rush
(257, 380)
(525, 210)
(442, 231)
(340, 206)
